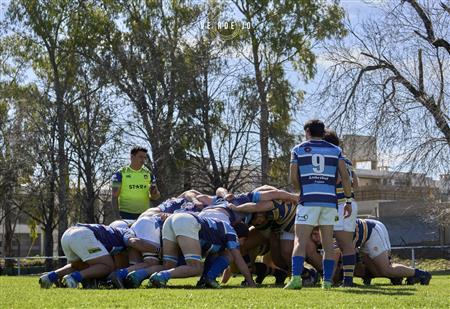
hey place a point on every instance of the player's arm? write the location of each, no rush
(274, 195)
(205, 199)
(343, 172)
(242, 266)
(116, 183)
(293, 172)
(252, 207)
(191, 196)
(355, 180)
(154, 192)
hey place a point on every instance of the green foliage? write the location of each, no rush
(24, 292)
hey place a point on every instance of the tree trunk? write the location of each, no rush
(62, 167)
(48, 246)
(264, 111)
(8, 232)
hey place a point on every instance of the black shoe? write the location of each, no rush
(89, 284)
(260, 272)
(201, 283)
(310, 277)
(280, 276)
(396, 281)
(411, 280)
(425, 280)
(367, 280)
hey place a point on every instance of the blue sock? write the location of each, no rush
(122, 273)
(52, 276)
(297, 265)
(209, 261)
(219, 265)
(165, 275)
(77, 276)
(328, 267)
(141, 274)
(418, 273)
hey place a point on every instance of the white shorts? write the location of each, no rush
(180, 224)
(148, 228)
(79, 243)
(314, 215)
(287, 236)
(378, 242)
(346, 224)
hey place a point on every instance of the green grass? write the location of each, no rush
(24, 292)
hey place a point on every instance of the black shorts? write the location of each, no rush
(128, 215)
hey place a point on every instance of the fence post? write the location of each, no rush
(413, 258)
(18, 266)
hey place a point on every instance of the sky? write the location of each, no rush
(356, 10)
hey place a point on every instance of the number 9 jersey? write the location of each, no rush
(317, 162)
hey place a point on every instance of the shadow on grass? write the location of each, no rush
(380, 289)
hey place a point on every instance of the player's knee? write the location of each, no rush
(197, 267)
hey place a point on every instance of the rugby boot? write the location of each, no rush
(294, 284)
(396, 281)
(70, 282)
(201, 283)
(45, 282)
(425, 280)
(212, 283)
(157, 281)
(326, 285)
(133, 280)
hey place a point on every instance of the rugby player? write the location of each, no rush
(187, 201)
(148, 230)
(372, 239)
(344, 228)
(314, 167)
(90, 250)
(195, 237)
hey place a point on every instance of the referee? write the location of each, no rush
(133, 186)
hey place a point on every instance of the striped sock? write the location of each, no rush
(348, 265)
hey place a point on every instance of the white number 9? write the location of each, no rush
(318, 162)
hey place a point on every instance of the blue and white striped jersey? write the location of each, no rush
(317, 162)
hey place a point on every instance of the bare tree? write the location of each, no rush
(390, 78)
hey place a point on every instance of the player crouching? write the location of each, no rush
(197, 237)
(91, 251)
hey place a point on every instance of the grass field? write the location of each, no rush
(24, 292)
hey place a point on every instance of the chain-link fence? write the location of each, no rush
(28, 265)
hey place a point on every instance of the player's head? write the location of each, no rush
(138, 155)
(259, 218)
(331, 137)
(314, 128)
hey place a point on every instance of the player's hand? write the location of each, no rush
(347, 210)
(164, 216)
(232, 207)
